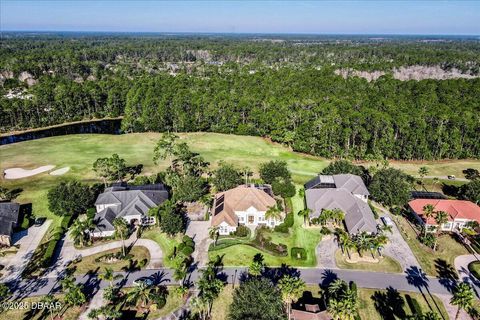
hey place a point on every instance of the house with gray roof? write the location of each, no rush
(9, 217)
(346, 192)
(128, 202)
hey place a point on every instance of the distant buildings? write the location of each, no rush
(9, 218)
(346, 192)
(459, 212)
(128, 202)
(243, 205)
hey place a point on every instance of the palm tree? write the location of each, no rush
(429, 212)
(422, 172)
(362, 242)
(213, 232)
(142, 292)
(341, 310)
(121, 229)
(292, 289)
(110, 276)
(50, 300)
(305, 213)
(273, 213)
(462, 297)
(199, 306)
(441, 217)
(77, 232)
(337, 215)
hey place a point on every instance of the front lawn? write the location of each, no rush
(392, 304)
(25, 310)
(434, 263)
(307, 238)
(166, 242)
(386, 264)
(92, 264)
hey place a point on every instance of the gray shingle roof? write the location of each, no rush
(128, 201)
(9, 213)
(321, 194)
(352, 183)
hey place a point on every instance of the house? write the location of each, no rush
(243, 205)
(346, 192)
(459, 212)
(9, 218)
(128, 202)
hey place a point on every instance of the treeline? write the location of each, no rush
(305, 105)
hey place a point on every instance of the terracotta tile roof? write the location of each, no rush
(239, 199)
(456, 209)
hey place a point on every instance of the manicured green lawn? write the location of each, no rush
(374, 304)
(89, 265)
(221, 305)
(474, 268)
(71, 313)
(308, 238)
(165, 242)
(386, 264)
(434, 263)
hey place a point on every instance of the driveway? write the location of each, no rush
(28, 240)
(461, 265)
(397, 247)
(68, 252)
(325, 252)
(198, 230)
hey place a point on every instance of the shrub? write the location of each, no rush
(242, 231)
(91, 213)
(428, 239)
(289, 219)
(66, 222)
(325, 231)
(187, 250)
(48, 254)
(287, 223)
(298, 253)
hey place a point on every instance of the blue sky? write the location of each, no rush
(327, 17)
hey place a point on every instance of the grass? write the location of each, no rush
(434, 263)
(386, 264)
(165, 242)
(72, 313)
(474, 268)
(369, 310)
(221, 305)
(89, 265)
(308, 238)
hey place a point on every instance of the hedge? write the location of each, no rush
(298, 253)
(48, 254)
(287, 223)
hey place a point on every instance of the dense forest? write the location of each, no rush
(285, 88)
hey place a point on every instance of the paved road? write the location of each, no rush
(365, 279)
(28, 240)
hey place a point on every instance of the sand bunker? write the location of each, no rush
(18, 173)
(60, 171)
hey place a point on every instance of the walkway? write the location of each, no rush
(28, 240)
(69, 252)
(96, 302)
(461, 265)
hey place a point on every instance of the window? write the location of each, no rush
(261, 218)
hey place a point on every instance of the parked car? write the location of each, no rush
(451, 177)
(39, 221)
(387, 221)
(146, 280)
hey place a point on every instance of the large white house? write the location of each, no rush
(243, 205)
(128, 202)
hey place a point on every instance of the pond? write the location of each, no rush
(106, 126)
